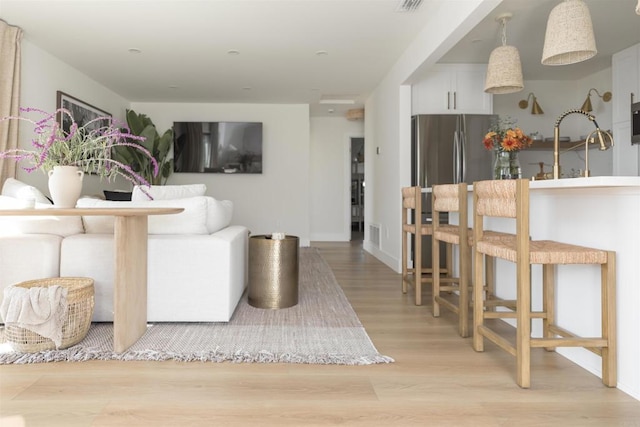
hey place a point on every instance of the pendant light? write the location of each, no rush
(504, 71)
(569, 37)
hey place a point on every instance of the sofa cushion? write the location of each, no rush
(57, 225)
(193, 220)
(168, 192)
(18, 189)
(219, 213)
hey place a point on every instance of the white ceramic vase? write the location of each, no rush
(65, 185)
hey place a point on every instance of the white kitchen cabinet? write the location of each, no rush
(452, 89)
(626, 80)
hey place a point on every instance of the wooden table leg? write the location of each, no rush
(130, 284)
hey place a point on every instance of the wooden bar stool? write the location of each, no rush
(454, 198)
(416, 276)
(510, 199)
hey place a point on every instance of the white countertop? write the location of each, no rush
(590, 182)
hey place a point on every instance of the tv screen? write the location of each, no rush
(217, 147)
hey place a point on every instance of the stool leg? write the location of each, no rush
(449, 259)
(417, 268)
(609, 353)
(404, 262)
(463, 288)
(478, 301)
(490, 278)
(523, 331)
(435, 276)
(548, 301)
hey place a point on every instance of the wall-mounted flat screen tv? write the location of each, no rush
(217, 147)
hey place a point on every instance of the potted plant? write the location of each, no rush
(83, 149)
(154, 143)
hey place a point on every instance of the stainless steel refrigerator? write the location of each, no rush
(447, 149)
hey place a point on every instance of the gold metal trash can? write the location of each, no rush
(273, 271)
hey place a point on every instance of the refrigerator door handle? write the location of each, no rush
(456, 157)
(463, 156)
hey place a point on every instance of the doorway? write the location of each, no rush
(357, 188)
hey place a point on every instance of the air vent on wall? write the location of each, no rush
(374, 234)
(408, 5)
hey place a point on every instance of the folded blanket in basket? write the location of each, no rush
(42, 310)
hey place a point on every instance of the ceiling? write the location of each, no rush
(615, 25)
(286, 51)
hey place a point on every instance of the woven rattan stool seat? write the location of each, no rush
(544, 252)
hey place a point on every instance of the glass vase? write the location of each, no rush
(506, 165)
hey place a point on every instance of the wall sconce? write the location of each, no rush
(504, 71)
(606, 97)
(569, 37)
(535, 107)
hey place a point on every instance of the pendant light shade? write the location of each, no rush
(504, 71)
(569, 37)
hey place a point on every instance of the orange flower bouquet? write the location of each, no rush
(503, 136)
(506, 140)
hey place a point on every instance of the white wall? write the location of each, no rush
(265, 203)
(330, 177)
(279, 198)
(555, 97)
(388, 120)
(42, 76)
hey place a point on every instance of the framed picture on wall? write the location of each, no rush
(82, 112)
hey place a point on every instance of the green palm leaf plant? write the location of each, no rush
(158, 145)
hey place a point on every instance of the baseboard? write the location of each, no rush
(392, 262)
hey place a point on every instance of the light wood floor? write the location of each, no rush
(437, 379)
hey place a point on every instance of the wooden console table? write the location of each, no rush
(130, 279)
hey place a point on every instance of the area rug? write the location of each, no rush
(322, 328)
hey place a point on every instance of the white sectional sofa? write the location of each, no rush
(197, 262)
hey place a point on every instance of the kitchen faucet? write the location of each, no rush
(602, 136)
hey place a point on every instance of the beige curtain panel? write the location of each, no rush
(10, 37)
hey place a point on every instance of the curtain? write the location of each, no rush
(9, 94)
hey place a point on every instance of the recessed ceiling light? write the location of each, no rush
(246, 88)
(233, 52)
(330, 110)
(322, 53)
(476, 40)
(173, 87)
(134, 50)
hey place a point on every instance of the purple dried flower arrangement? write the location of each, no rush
(88, 147)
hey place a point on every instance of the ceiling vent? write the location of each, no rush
(408, 5)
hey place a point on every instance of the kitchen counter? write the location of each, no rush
(589, 182)
(600, 212)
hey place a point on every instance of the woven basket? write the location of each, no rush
(80, 301)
